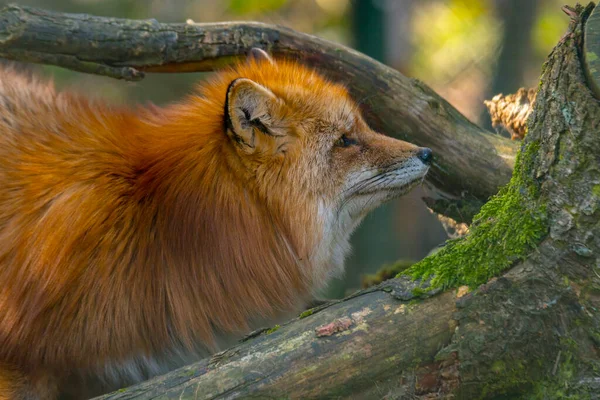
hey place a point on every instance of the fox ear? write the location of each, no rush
(248, 109)
(256, 54)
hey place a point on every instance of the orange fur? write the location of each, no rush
(130, 238)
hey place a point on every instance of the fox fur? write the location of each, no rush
(134, 240)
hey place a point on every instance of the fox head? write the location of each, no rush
(295, 145)
(296, 133)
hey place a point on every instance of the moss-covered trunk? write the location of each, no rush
(536, 330)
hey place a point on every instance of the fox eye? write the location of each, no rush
(345, 141)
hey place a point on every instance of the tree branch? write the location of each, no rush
(470, 163)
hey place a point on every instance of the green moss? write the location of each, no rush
(558, 386)
(596, 190)
(506, 229)
(413, 302)
(510, 381)
(514, 382)
(548, 377)
(306, 313)
(386, 272)
(498, 366)
(417, 292)
(273, 329)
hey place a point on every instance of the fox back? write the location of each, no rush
(134, 240)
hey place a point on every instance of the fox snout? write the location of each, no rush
(426, 155)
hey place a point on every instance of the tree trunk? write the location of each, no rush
(531, 331)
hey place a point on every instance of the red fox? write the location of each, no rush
(134, 241)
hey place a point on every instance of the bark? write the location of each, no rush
(533, 332)
(471, 164)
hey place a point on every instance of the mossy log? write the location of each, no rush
(470, 163)
(530, 331)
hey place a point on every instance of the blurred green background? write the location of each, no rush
(466, 50)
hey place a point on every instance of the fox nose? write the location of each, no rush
(425, 155)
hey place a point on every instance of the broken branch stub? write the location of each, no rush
(512, 111)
